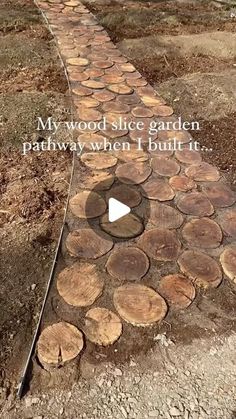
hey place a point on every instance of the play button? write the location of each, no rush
(116, 210)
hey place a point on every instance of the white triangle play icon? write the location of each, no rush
(116, 210)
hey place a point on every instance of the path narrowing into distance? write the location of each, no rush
(135, 270)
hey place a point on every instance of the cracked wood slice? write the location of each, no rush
(98, 180)
(202, 232)
(120, 89)
(133, 154)
(99, 160)
(88, 244)
(125, 194)
(116, 107)
(219, 194)
(142, 112)
(59, 343)
(77, 61)
(126, 227)
(177, 290)
(228, 262)
(102, 326)
(200, 268)
(157, 189)
(195, 203)
(139, 305)
(127, 264)
(203, 172)
(160, 244)
(182, 183)
(80, 284)
(133, 173)
(227, 221)
(188, 156)
(87, 205)
(164, 216)
(162, 110)
(165, 167)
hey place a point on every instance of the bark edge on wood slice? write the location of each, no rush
(160, 244)
(87, 204)
(228, 262)
(102, 326)
(88, 244)
(177, 290)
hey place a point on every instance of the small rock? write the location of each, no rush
(33, 286)
(118, 372)
(154, 414)
(174, 411)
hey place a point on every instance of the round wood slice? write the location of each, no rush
(98, 180)
(182, 183)
(114, 71)
(78, 76)
(128, 264)
(195, 203)
(164, 154)
(72, 3)
(228, 262)
(112, 79)
(99, 160)
(136, 82)
(82, 91)
(139, 305)
(126, 195)
(142, 112)
(165, 167)
(87, 102)
(162, 110)
(103, 64)
(115, 107)
(126, 227)
(93, 84)
(104, 96)
(150, 100)
(136, 134)
(78, 61)
(201, 268)
(164, 216)
(134, 75)
(133, 154)
(102, 326)
(160, 244)
(157, 189)
(87, 244)
(120, 89)
(87, 204)
(80, 284)
(59, 343)
(188, 156)
(132, 99)
(227, 221)
(203, 172)
(177, 290)
(128, 68)
(94, 72)
(87, 114)
(202, 232)
(133, 173)
(181, 137)
(219, 194)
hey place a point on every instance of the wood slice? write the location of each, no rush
(150, 100)
(114, 71)
(80, 284)
(59, 343)
(77, 61)
(128, 68)
(110, 132)
(201, 268)
(94, 72)
(219, 194)
(72, 3)
(126, 227)
(161, 110)
(126, 195)
(88, 102)
(228, 262)
(82, 91)
(97, 180)
(227, 221)
(87, 244)
(139, 305)
(181, 137)
(87, 114)
(141, 112)
(133, 154)
(132, 99)
(116, 107)
(164, 154)
(136, 82)
(157, 189)
(164, 216)
(177, 290)
(160, 244)
(87, 205)
(128, 264)
(188, 156)
(93, 84)
(102, 326)
(182, 183)
(103, 64)
(120, 89)
(133, 173)
(99, 160)
(112, 79)
(202, 232)
(143, 134)
(104, 96)
(165, 167)
(203, 172)
(195, 203)
(78, 76)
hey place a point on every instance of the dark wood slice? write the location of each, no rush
(142, 112)
(182, 183)
(87, 244)
(201, 268)
(162, 110)
(160, 244)
(157, 189)
(227, 221)
(139, 305)
(102, 326)
(219, 194)
(132, 99)
(133, 154)
(116, 107)
(164, 154)
(97, 180)
(178, 291)
(165, 167)
(136, 134)
(127, 264)
(146, 91)
(203, 172)
(164, 216)
(202, 232)
(126, 195)
(228, 262)
(126, 227)
(133, 173)
(87, 205)
(188, 156)
(114, 133)
(195, 203)
(99, 160)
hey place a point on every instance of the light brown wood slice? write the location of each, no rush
(178, 291)
(103, 64)
(116, 107)
(98, 180)
(72, 3)
(202, 232)
(112, 79)
(77, 61)
(80, 284)
(87, 205)
(125, 194)
(87, 244)
(129, 68)
(164, 154)
(87, 102)
(165, 167)
(144, 135)
(114, 133)
(157, 189)
(164, 216)
(142, 112)
(203, 172)
(104, 96)
(120, 89)
(150, 100)
(228, 262)
(82, 91)
(102, 326)
(181, 137)
(139, 305)
(93, 84)
(133, 154)
(188, 156)
(195, 203)
(94, 72)
(99, 160)
(58, 344)
(219, 194)
(114, 71)
(160, 244)
(201, 268)
(78, 77)
(133, 173)
(127, 264)
(87, 114)
(162, 110)
(136, 82)
(227, 221)
(132, 99)
(126, 227)
(182, 183)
